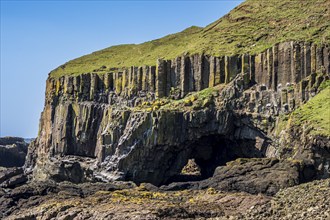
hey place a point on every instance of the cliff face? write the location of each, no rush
(144, 123)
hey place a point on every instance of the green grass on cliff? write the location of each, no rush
(249, 28)
(315, 114)
(192, 101)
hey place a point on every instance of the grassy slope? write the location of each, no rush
(315, 114)
(251, 27)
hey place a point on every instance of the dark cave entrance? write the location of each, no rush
(209, 152)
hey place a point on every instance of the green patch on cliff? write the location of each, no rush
(192, 101)
(251, 27)
(315, 114)
(282, 123)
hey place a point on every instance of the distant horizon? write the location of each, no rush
(37, 37)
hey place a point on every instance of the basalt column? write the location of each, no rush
(161, 78)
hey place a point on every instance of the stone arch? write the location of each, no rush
(209, 152)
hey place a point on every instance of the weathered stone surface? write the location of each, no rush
(37, 193)
(253, 176)
(305, 146)
(104, 132)
(305, 201)
(120, 201)
(7, 173)
(13, 151)
(12, 177)
(185, 75)
(48, 200)
(161, 78)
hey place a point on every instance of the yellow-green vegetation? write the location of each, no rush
(142, 202)
(137, 196)
(251, 27)
(324, 85)
(315, 114)
(296, 161)
(152, 106)
(282, 123)
(193, 101)
(240, 161)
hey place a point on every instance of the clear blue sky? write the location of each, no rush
(38, 36)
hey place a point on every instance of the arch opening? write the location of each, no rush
(209, 152)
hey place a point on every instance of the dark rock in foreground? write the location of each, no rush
(120, 200)
(254, 175)
(305, 201)
(35, 193)
(13, 151)
(12, 177)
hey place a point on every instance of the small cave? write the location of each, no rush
(209, 152)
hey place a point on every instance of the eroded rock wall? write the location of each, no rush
(91, 125)
(12, 151)
(282, 64)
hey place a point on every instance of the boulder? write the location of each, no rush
(13, 151)
(251, 175)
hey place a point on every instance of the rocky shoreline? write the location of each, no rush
(194, 136)
(125, 200)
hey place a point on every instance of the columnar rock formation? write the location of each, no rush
(284, 63)
(96, 118)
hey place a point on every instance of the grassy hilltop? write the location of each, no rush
(249, 28)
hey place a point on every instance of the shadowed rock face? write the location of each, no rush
(252, 175)
(97, 128)
(13, 151)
